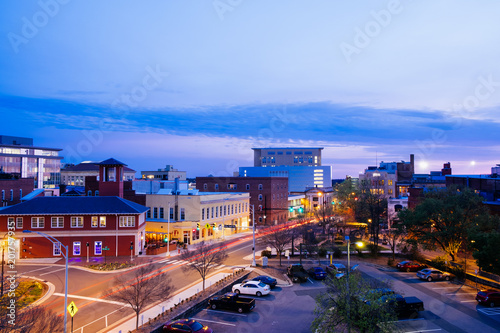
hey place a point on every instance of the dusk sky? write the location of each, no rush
(197, 83)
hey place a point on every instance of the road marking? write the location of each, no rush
(213, 321)
(469, 301)
(434, 330)
(57, 270)
(490, 312)
(458, 294)
(231, 313)
(446, 287)
(310, 280)
(38, 269)
(92, 299)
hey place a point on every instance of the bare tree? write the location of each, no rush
(393, 236)
(34, 319)
(203, 258)
(144, 288)
(279, 239)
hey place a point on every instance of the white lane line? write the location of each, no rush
(57, 270)
(38, 269)
(231, 313)
(91, 299)
(434, 330)
(458, 294)
(213, 321)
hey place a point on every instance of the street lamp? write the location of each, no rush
(359, 244)
(54, 241)
(254, 264)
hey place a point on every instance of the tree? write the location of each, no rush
(443, 219)
(371, 207)
(322, 212)
(484, 240)
(279, 239)
(204, 257)
(359, 307)
(146, 286)
(346, 199)
(393, 236)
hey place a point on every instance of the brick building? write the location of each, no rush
(269, 195)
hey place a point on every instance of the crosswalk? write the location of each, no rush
(489, 311)
(181, 262)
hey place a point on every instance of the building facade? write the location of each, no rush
(83, 224)
(191, 217)
(13, 190)
(75, 175)
(18, 156)
(270, 157)
(269, 195)
(169, 173)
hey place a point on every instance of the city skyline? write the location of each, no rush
(197, 86)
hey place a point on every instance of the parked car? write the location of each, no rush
(186, 325)
(231, 301)
(256, 288)
(317, 272)
(410, 266)
(271, 282)
(338, 267)
(488, 297)
(430, 274)
(297, 273)
(405, 307)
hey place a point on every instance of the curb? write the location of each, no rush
(47, 295)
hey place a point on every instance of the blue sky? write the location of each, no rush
(197, 84)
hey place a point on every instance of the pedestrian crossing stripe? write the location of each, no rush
(490, 312)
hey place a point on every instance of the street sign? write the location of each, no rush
(346, 238)
(105, 248)
(72, 309)
(207, 226)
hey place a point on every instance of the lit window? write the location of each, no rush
(77, 248)
(98, 247)
(19, 223)
(93, 222)
(76, 222)
(102, 221)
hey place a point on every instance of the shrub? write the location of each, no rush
(322, 252)
(265, 253)
(337, 252)
(439, 263)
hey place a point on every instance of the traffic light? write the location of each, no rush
(301, 210)
(214, 226)
(198, 226)
(290, 209)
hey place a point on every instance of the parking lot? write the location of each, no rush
(288, 308)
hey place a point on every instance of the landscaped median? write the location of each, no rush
(110, 266)
(186, 307)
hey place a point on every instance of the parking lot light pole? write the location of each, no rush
(54, 241)
(254, 264)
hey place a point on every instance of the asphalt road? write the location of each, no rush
(86, 288)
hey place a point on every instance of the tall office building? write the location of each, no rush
(18, 156)
(302, 166)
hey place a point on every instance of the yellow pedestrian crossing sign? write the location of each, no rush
(207, 226)
(72, 309)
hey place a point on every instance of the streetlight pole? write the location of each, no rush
(168, 231)
(348, 283)
(54, 240)
(254, 264)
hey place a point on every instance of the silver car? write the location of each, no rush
(430, 274)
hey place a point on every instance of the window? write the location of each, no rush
(3, 195)
(389, 182)
(212, 212)
(205, 186)
(171, 213)
(203, 214)
(37, 222)
(57, 222)
(127, 221)
(102, 221)
(225, 210)
(260, 208)
(96, 193)
(98, 247)
(248, 186)
(10, 222)
(149, 213)
(216, 186)
(260, 187)
(216, 211)
(260, 197)
(232, 209)
(183, 214)
(11, 195)
(89, 193)
(231, 186)
(56, 249)
(77, 248)
(93, 222)
(162, 214)
(155, 212)
(19, 222)
(76, 222)
(20, 193)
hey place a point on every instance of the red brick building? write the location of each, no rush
(12, 190)
(269, 195)
(108, 224)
